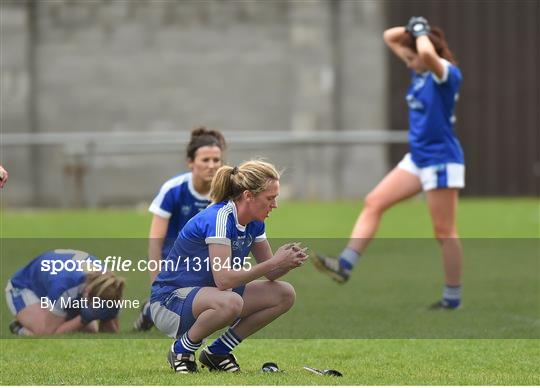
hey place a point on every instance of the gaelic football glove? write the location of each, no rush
(418, 26)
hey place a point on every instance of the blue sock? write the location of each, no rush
(185, 345)
(225, 343)
(348, 258)
(452, 295)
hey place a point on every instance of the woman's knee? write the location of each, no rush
(443, 231)
(287, 294)
(34, 319)
(230, 303)
(374, 203)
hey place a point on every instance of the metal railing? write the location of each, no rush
(85, 154)
(147, 141)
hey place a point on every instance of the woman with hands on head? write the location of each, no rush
(207, 284)
(435, 163)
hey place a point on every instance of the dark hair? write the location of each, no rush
(436, 36)
(202, 137)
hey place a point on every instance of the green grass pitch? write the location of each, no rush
(375, 329)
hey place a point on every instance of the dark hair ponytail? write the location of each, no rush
(202, 137)
(437, 38)
(441, 45)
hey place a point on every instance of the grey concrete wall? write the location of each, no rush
(146, 65)
(363, 101)
(154, 65)
(14, 96)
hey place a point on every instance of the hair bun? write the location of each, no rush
(204, 132)
(200, 131)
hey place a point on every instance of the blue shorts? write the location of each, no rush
(440, 176)
(19, 298)
(172, 313)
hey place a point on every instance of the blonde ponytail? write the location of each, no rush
(230, 182)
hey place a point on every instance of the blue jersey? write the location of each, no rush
(431, 117)
(178, 201)
(190, 264)
(39, 276)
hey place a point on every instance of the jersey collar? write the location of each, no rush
(241, 228)
(194, 192)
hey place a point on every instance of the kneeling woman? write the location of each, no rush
(206, 283)
(55, 293)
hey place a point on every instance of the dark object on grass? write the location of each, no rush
(324, 372)
(270, 367)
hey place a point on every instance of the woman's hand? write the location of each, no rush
(418, 26)
(287, 257)
(290, 256)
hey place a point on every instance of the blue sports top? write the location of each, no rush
(188, 263)
(431, 117)
(178, 201)
(38, 276)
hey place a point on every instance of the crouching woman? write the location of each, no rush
(207, 284)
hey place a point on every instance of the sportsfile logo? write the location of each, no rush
(118, 264)
(111, 263)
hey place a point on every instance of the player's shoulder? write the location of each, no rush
(214, 217)
(221, 211)
(453, 69)
(177, 182)
(451, 74)
(218, 215)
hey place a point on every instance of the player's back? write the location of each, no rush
(57, 269)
